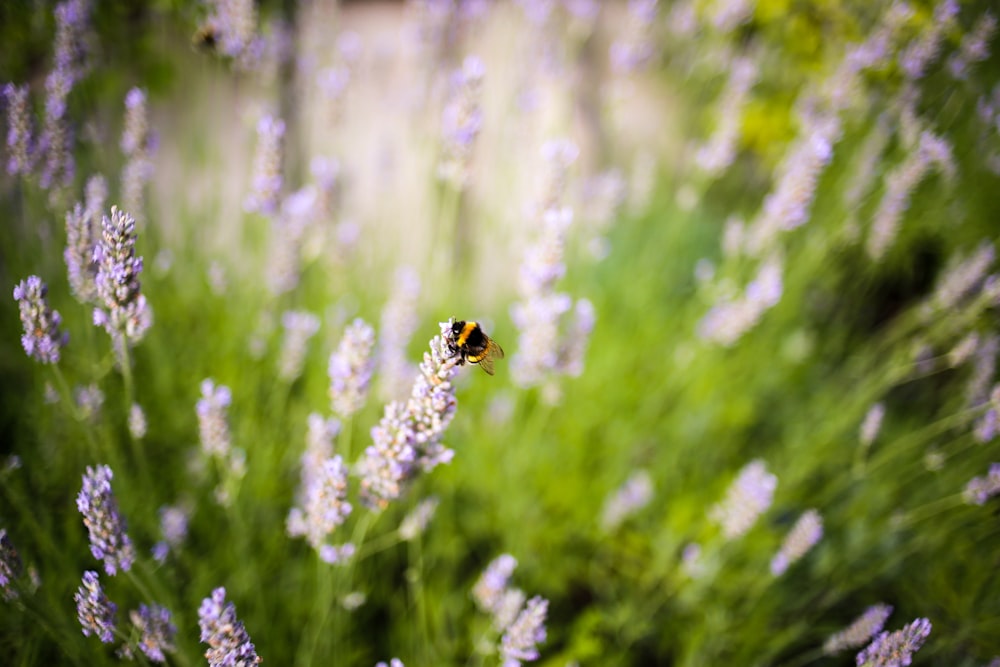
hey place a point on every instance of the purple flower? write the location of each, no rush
(415, 523)
(108, 540)
(267, 180)
(462, 120)
(42, 339)
(10, 566)
(895, 649)
(396, 328)
(324, 500)
(520, 641)
(871, 424)
(489, 590)
(174, 528)
(81, 241)
(806, 532)
(155, 629)
(395, 662)
(981, 489)
(228, 641)
(860, 631)
(213, 422)
(631, 497)
(20, 147)
(136, 145)
(407, 440)
(94, 610)
(299, 327)
(350, 369)
(748, 497)
(123, 312)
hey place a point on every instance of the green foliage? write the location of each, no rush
(531, 475)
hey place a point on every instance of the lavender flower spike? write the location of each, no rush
(806, 532)
(860, 631)
(213, 424)
(94, 610)
(228, 641)
(42, 339)
(981, 489)
(135, 145)
(520, 641)
(19, 141)
(325, 503)
(267, 179)
(748, 497)
(10, 566)
(895, 649)
(408, 438)
(156, 631)
(79, 254)
(108, 540)
(350, 369)
(124, 313)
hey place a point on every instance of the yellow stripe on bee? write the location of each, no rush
(466, 332)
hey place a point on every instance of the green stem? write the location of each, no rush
(323, 600)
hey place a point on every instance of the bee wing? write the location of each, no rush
(495, 350)
(486, 362)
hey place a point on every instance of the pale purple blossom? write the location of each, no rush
(213, 421)
(350, 369)
(299, 327)
(94, 610)
(173, 529)
(398, 323)
(974, 47)
(520, 642)
(489, 589)
(415, 523)
(42, 339)
(731, 317)
(20, 144)
(986, 426)
(137, 422)
(635, 49)
(407, 440)
(964, 277)
(895, 649)
(123, 311)
(860, 631)
(461, 122)
(981, 489)
(324, 503)
(10, 566)
(227, 638)
(336, 554)
(749, 496)
(632, 496)
(915, 58)
(105, 525)
(720, 150)
(872, 424)
(156, 631)
(81, 242)
(267, 180)
(806, 532)
(395, 662)
(89, 399)
(136, 145)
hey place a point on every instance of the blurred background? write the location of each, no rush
(740, 257)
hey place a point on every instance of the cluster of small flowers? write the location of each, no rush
(213, 423)
(267, 180)
(299, 327)
(106, 527)
(636, 49)
(984, 363)
(895, 649)
(974, 47)
(522, 624)
(543, 352)
(726, 15)
(965, 277)
(871, 424)
(398, 323)
(10, 566)
(900, 183)
(407, 439)
(94, 610)
(981, 489)
(137, 422)
(806, 532)
(137, 145)
(324, 499)
(718, 153)
(915, 58)
(747, 498)
(461, 122)
(858, 633)
(173, 528)
(125, 315)
(233, 26)
(228, 641)
(42, 340)
(156, 631)
(81, 240)
(350, 369)
(19, 141)
(632, 496)
(89, 399)
(395, 662)
(415, 523)
(320, 433)
(729, 319)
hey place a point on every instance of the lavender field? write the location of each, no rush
(500, 332)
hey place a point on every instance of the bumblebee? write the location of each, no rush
(206, 38)
(473, 345)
